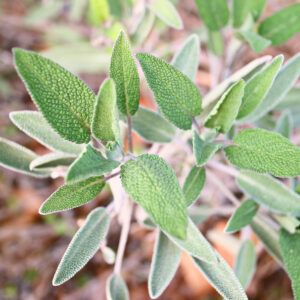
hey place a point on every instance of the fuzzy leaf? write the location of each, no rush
(215, 42)
(257, 42)
(116, 288)
(199, 213)
(242, 216)
(240, 11)
(90, 163)
(52, 160)
(256, 8)
(152, 183)
(85, 243)
(73, 195)
(124, 72)
(265, 152)
(177, 97)
(284, 124)
(64, 100)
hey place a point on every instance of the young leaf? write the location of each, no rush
(165, 261)
(52, 160)
(265, 152)
(240, 11)
(73, 195)
(214, 13)
(287, 222)
(85, 243)
(34, 125)
(90, 163)
(257, 87)
(282, 25)
(152, 183)
(18, 158)
(226, 110)
(177, 97)
(203, 151)
(256, 8)
(284, 124)
(166, 11)
(242, 216)
(64, 100)
(215, 42)
(245, 263)
(270, 192)
(124, 72)
(257, 42)
(193, 184)
(116, 288)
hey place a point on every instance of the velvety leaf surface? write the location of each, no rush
(240, 10)
(284, 124)
(52, 160)
(116, 288)
(257, 42)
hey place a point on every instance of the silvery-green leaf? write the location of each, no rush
(108, 255)
(257, 7)
(215, 42)
(83, 246)
(199, 213)
(116, 288)
(266, 122)
(113, 151)
(240, 10)
(284, 124)
(52, 160)
(291, 100)
(287, 222)
(257, 42)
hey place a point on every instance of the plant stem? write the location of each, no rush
(223, 168)
(110, 176)
(129, 132)
(196, 124)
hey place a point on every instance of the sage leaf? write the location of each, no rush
(257, 42)
(290, 247)
(52, 160)
(226, 110)
(242, 216)
(200, 213)
(256, 8)
(116, 288)
(289, 223)
(90, 163)
(177, 97)
(124, 72)
(265, 152)
(105, 125)
(109, 255)
(282, 25)
(214, 13)
(35, 126)
(72, 195)
(284, 124)
(193, 184)
(270, 192)
(203, 150)
(18, 158)
(245, 263)
(64, 100)
(98, 11)
(85, 243)
(257, 87)
(215, 42)
(291, 100)
(240, 10)
(152, 183)
(165, 261)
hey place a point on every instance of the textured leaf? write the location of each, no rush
(242, 216)
(64, 100)
(256, 8)
(73, 195)
(166, 11)
(257, 42)
(265, 152)
(226, 110)
(215, 42)
(18, 158)
(257, 87)
(52, 160)
(152, 183)
(116, 288)
(193, 185)
(284, 124)
(124, 72)
(165, 261)
(245, 263)
(105, 125)
(90, 163)
(85, 243)
(282, 25)
(214, 13)
(287, 222)
(177, 97)
(203, 151)
(240, 11)
(269, 192)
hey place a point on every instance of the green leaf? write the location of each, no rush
(257, 42)
(105, 124)
(52, 160)
(18, 158)
(34, 125)
(165, 261)
(152, 183)
(290, 247)
(282, 25)
(258, 86)
(73, 195)
(203, 150)
(270, 192)
(124, 72)
(265, 152)
(199, 213)
(177, 97)
(85, 243)
(291, 100)
(242, 216)
(193, 184)
(256, 8)
(116, 288)
(64, 100)
(226, 110)
(166, 11)
(287, 222)
(214, 13)
(284, 124)
(245, 263)
(90, 163)
(98, 11)
(186, 60)
(240, 11)
(215, 42)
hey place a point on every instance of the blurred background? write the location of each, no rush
(80, 37)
